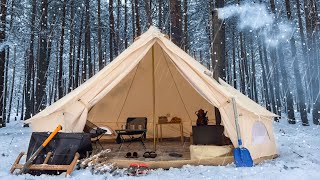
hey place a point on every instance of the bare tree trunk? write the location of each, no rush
(111, 27)
(117, 32)
(94, 57)
(234, 58)
(176, 23)
(313, 63)
(272, 96)
(136, 9)
(63, 24)
(304, 50)
(185, 26)
(71, 47)
(160, 14)
(253, 74)
(18, 94)
(302, 36)
(5, 110)
(12, 14)
(55, 94)
(99, 37)
(30, 65)
(23, 102)
(246, 68)
(125, 34)
(285, 85)
(3, 9)
(241, 65)
(299, 86)
(43, 60)
(52, 99)
(308, 45)
(210, 38)
(148, 12)
(275, 78)
(54, 82)
(133, 20)
(275, 68)
(12, 83)
(228, 68)
(88, 60)
(264, 78)
(34, 78)
(85, 56)
(77, 72)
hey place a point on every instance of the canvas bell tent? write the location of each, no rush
(153, 78)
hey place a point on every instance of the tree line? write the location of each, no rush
(48, 48)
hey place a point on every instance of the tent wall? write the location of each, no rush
(267, 148)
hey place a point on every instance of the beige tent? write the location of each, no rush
(152, 78)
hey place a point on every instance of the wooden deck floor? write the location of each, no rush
(164, 148)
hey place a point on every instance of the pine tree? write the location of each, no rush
(43, 60)
(99, 36)
(63, 24)
(71, 46)
(3, 9)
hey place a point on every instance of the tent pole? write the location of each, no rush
(153, 102)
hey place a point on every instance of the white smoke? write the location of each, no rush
(256, 16)
(252, 16)
(283, 33)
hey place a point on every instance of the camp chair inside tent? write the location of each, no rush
(96, 132)
(136, 130)
(136, 122)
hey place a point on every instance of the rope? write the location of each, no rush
(125, 100)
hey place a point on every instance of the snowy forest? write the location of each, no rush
(269, 50)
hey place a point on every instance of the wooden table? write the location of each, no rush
(169, 123)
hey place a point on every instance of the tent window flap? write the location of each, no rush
(259, 133)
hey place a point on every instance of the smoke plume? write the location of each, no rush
(256, 16)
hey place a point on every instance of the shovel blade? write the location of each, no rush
(242, 157)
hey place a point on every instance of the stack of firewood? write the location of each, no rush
(98, 163)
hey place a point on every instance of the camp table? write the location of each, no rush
(169, 123)
(128, 135)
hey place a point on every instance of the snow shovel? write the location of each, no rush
(242, 157)
(34, 155)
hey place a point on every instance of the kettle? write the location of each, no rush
(202, 117)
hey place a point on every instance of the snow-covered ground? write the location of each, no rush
(299, 149)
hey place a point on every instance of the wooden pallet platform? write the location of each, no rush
(68, 168)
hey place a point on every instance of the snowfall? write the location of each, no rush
(299, 150)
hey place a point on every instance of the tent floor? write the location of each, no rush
(163, 160)
(164, 148)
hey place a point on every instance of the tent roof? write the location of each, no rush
(245, 102)
(141, 46)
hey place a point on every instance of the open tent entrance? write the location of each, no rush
(133, 97)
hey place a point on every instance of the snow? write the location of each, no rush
(298, 146)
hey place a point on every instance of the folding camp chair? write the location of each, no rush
(96, 132)
(136, 130)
